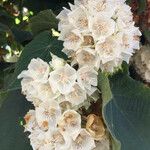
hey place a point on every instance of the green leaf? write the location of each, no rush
(128, 112)
(21, 36)
(40, 47)
(1, 79)
(116, 145)
(3, 30)
(5, 74)
(3, 96)
(3, 27)
(45, 20)
(12, 136)
(104, 86)
(6, 18)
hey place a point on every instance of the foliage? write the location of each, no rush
(12, 135)
(127, 113)
(45, 20)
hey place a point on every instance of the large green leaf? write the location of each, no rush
(45, 20)
(12, 136)
(128, 112)
(104, 86)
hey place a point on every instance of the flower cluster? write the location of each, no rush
(99, 33)
(57, 80)
(52, 130)
(55, 89)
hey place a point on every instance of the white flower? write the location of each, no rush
(30, 121)
(108, 50)
(37, 138)
(77, 95)
(44, 92)
(29, 89)
(87, 77)
(83, 141)
(69, 52)
(37, 92)
(57, 62)
(101, 6)
(117, 1)
(63, 79)
(54, 139)
(104, 144)
(78, 18)
(81, 2)
(34, 99)
(123, 13)
(47, 114)
(87, 56)
(70, 122)
(101, 27)
(38, 70)
(63, 19)
(27, 85)
(72, 38)
(128, 46)
(111, 65)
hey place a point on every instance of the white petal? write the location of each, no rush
(77, 96)
(83, 141)
(70, 122)
(102, 27)
(63, 79)
(47, 114)
(87, 77)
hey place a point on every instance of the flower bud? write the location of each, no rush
(57, 62)
(95, 127)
